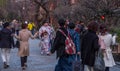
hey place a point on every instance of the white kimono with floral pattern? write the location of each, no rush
(45, 39)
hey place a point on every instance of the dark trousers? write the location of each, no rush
(17, 32)
(23, 61)
(107, 69)
(65, 63)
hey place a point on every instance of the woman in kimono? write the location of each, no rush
(107, 38)
(45, 35)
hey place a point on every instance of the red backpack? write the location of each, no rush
(69, 45)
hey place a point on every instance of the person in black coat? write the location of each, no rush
(59, 46)
(6, 43)
(89, 46)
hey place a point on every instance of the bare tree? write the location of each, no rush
(105, 8)
(85, 10)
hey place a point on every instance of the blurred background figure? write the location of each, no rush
(1, 25)
(31, 27)
(16, 26)
(80, 27)
(114, 42)
(6, 43)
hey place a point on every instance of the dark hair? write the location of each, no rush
(61, 22)
(45, 21)
(93, 26)
(103, 28)
(71, 25)
(6, 24)
(81, 21)
(24, 26)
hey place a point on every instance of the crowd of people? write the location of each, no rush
(88, 40)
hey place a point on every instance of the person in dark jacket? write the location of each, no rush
(6, 43)
(59, 46)
(89, 47)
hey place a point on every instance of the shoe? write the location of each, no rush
(41, 53)
(23, 68)
(25, 64)
(48, 54)
(5, 65)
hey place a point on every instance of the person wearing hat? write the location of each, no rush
(6, 43)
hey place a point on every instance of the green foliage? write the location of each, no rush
(2, 2)
(117, 31)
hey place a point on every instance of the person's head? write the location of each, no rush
(6, 25)
(24, 26)
(61, 22)
(81, 22)
(14, 21)
(103, 29)
(67, 21)
(77, 22)
(93, 26)
(45, 23)
(71, 25)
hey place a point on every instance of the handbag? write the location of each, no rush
(77, 64)
(99, 62)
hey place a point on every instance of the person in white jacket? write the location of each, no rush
(107, 38)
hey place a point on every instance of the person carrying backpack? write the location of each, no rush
(59, 45)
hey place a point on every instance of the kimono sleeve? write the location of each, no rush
(40, 32)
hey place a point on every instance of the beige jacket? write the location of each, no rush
(24, 36)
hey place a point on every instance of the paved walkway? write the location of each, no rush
(36, 62)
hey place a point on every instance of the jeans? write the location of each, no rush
(5, 53)
(65, 63)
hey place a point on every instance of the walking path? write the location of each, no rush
(36, 61)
